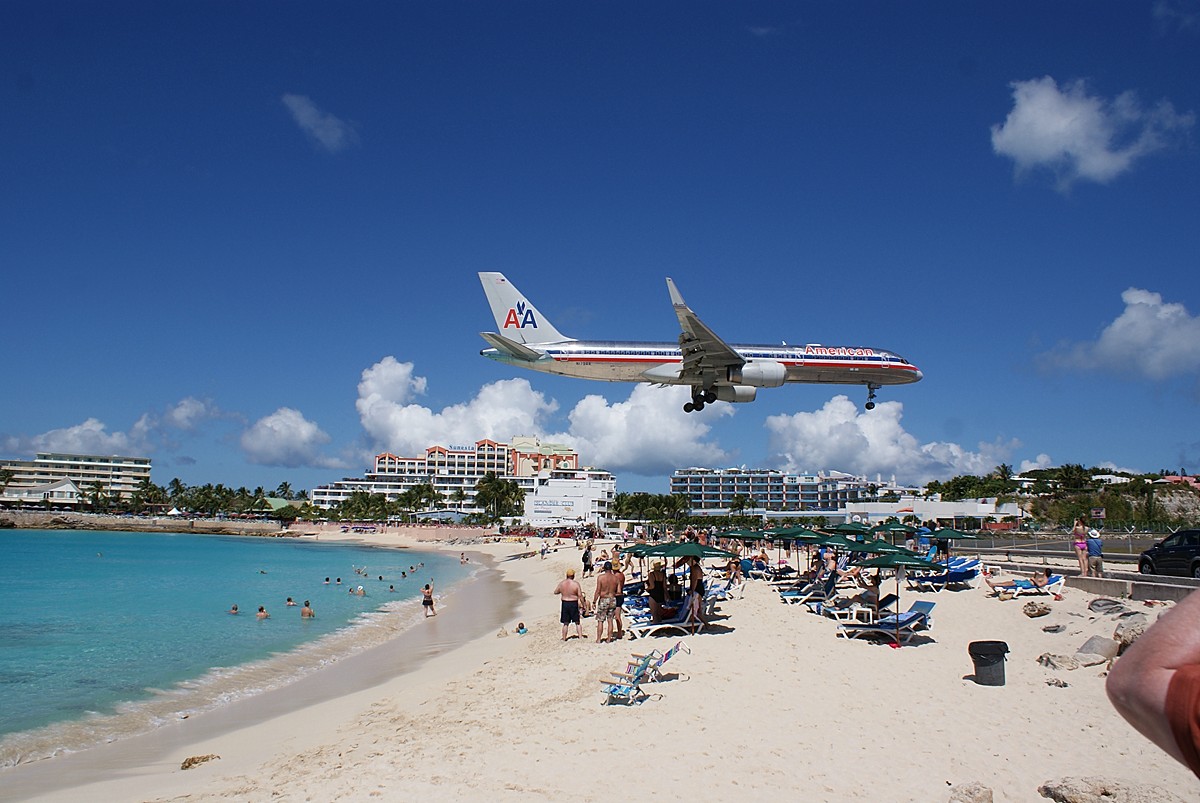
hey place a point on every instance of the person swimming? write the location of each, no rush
(233, 608)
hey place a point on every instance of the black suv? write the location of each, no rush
(1175, 554)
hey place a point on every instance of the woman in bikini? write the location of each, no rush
(1079, 541)
(427, 600)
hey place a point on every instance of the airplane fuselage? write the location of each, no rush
(618, 361)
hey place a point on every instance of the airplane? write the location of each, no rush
(715, 370)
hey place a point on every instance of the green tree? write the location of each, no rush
(286, 515)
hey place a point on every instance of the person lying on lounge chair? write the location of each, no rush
(1037, 579)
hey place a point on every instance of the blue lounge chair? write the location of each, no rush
(682, 622)
(898, 628)
(815, 591)
(651, 663)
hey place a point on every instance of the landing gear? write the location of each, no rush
(700, 397)
(871, 388)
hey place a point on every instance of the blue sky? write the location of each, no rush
(242, 239)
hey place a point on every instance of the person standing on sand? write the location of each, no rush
(618, 625)
(1095, 554)
(427, 599)
(605, 601)
(1079, 542)
(587, 559)
(570, 592)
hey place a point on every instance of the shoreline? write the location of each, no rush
(767, 698)
(411, 643)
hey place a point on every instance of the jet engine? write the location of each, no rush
(759, 374)
(735, 393)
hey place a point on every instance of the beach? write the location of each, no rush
(768, 701)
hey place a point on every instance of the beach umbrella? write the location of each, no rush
(895, 560)
(849, 527)
(878, 546)
(894, 527)
(688, 549)
(947, 534)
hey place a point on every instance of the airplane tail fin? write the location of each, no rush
(516, 318)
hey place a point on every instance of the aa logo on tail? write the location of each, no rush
(520, 317)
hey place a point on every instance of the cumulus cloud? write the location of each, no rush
(839, 436)
(1041, 461)
(325, 130)
(645, 434)
(1151, 339)
(90, 437)
(1077, 136)
(393, 422)
(189, 413)
(286, 438)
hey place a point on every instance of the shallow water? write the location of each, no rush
(106, 634)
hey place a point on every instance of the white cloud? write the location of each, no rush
(1151, 339)
(646, 434)
(90, 437)
(324, 129)
(189, 413)
(499, 411)
(1080, 136)
(840, 437)
(286, 438)
(1041, 461)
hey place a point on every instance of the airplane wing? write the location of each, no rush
(704, 354)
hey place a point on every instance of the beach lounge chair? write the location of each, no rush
(683, 622)
(939, 581)
(623, 687)
(1054, 585)
(651, 663)
(897, 628)
(857, 612)
(816, 591)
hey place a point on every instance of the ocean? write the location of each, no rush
(106, 634)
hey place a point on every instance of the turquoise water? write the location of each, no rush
(108, 633)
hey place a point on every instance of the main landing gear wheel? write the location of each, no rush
(710, 395)
(871, 388)
(700, 397)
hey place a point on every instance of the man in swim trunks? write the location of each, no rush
(618, 625)
(605, 600)
(1036, 580)
(568, 588)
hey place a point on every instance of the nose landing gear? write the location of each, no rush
(871, 388)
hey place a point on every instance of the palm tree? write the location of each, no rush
(6, 476)
(284, 491)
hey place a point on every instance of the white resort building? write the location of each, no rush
(61, 480)
(557, 490)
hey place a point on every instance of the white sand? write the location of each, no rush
(769, 702)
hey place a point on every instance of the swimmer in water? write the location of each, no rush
(262, 613)
(290, 603)
(307, 612)
(233, 608)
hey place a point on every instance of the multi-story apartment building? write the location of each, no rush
(771, 490)
(115, 474)
(455, 469)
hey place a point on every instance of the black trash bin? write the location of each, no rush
(989, 661)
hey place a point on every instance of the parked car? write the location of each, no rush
(1176, 554)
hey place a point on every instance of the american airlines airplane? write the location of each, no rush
(716, 370)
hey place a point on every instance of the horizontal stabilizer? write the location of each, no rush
(511, 347)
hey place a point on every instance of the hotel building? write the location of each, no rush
(557, 490)
(32, 479)
(714, 489)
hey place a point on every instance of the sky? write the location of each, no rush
(243, 239)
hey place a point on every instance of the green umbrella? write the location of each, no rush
(835, 540)
(894, 560)
(894, 527)
(688, 549)
(879, 546)
(851, 527)
(948, 534)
